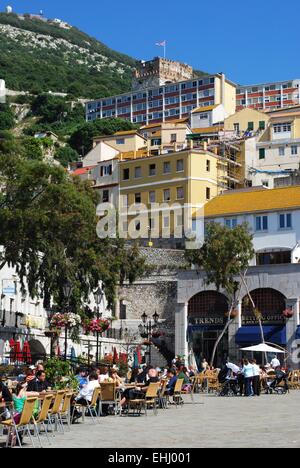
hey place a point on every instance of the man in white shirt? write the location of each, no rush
(275, 362)
(256, 378)
(87, 392)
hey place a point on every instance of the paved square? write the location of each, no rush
(268, 421)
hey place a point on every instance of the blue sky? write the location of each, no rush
(252, 42)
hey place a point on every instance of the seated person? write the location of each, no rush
(7, 397)
(39, 383)
(86, 393)
(172, 382)
(81, 376)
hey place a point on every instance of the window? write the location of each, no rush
(137, 172)
(262, 125)
(137, 226)
(208, 165)
(138, 198)
(262, 153)
(105, 197)
(120, 141)
(236, 127)
(203, 116)
(152, 170)
(282, 127)
(166, 222)
(208, 193)
(261, 223)
(281, 151)
(265, 183)
(125, 174)
(250, 126)
(231, 222)
(180, 193)
(179, 165)
(173, 138)
(152, 197)
(167, 195)
(106, 170)
(294, 150)
(167, 167)
(285, 221)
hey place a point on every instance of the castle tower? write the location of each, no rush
(158, 72)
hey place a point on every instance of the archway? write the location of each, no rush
(270, 302)
(206, 319)
(37, 350)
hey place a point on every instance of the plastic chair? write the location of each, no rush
(109, 396)
(43, 416)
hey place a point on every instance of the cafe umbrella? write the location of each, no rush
(264, 348)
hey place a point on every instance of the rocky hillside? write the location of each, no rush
(38, 56)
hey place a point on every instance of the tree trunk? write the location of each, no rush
(229, 321)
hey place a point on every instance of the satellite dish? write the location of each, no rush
(9, 9)
(41, 13)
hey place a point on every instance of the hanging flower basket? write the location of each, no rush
(61, 321)
(288, 313)
(95, 326)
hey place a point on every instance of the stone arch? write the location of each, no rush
(209, 303)
(270, 302)
(38, 351)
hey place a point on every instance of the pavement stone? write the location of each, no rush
(267, 421)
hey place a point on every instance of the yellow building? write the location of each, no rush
(123, 142)
(161, 186)
(246, 120)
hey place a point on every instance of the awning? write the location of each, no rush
(252, 336)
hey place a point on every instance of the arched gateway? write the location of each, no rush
(206, 320)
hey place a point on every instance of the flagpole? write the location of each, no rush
(165, 47)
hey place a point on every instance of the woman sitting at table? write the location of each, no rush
(6, 396)
(20, 396)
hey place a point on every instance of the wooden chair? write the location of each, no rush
(177, 396)
(43, 416)
(53, 415)
(110, 396)
(24, 424)
(151, 398)
(65, 412)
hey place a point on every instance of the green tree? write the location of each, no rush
(225, 257)
(32, 149)
(65, 155)
(82, 139)
(49, 108)
(48, 232)
(7, 117)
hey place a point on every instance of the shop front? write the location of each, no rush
(206, 321)
(271, 305)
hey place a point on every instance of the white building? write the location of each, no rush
(2, 91)
(205, 117)
(272, 215)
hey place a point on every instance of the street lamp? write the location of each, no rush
(67, 290)
(98, 296)
(146, 328)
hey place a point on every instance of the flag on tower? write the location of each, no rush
(162, 44)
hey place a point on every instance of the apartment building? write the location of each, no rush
(268, 96)
(272, 215)
(157, 184)
(173, 100)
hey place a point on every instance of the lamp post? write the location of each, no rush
(146, 328)
(67, 289)
(98, 296)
